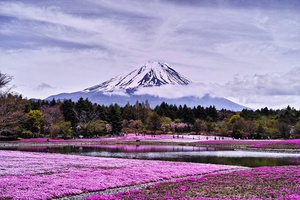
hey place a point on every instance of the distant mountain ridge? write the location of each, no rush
(190, 101)
(122, 89)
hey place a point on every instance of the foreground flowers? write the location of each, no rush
(25, 175)
(259, 183)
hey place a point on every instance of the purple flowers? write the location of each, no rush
(25, 175)
(131, 137)
(127, 137)
(273, 144)
(279, 144)
(258, 183)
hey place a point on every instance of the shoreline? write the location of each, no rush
(237, 145)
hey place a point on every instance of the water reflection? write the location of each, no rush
(174, 153)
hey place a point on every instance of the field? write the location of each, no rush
(258, 183)
(28, 175)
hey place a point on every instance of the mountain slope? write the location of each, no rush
(148, 75)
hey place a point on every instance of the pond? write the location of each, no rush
(174, 153)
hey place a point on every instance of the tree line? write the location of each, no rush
(23, 118)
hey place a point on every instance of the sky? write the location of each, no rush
(247, 51)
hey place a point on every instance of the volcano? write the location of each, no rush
(124, 89)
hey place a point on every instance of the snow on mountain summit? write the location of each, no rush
(148, 75)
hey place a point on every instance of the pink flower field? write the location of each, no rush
(128, 138)
(281, 144)
(25, 175)
(282, 183)
(196, 139)
(273, 144)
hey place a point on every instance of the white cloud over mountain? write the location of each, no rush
(277, 89)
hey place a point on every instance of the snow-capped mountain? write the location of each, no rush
(123, 89)
(148, 75)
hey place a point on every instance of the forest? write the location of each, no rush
(27, 118)
(22, 118)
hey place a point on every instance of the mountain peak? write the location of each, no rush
(149, 74)
(153, 65)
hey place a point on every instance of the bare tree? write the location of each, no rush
(4, 79)
(52, 116)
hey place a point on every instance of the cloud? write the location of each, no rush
(65, 70)
(44, 86)
(275, 84)
(259, 90)
(54, 24)
(160, 30)
(275, 90)
(178, 91)
(116, 92)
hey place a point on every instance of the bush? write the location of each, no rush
(27, 134)
(54, 130)
(65, 130)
